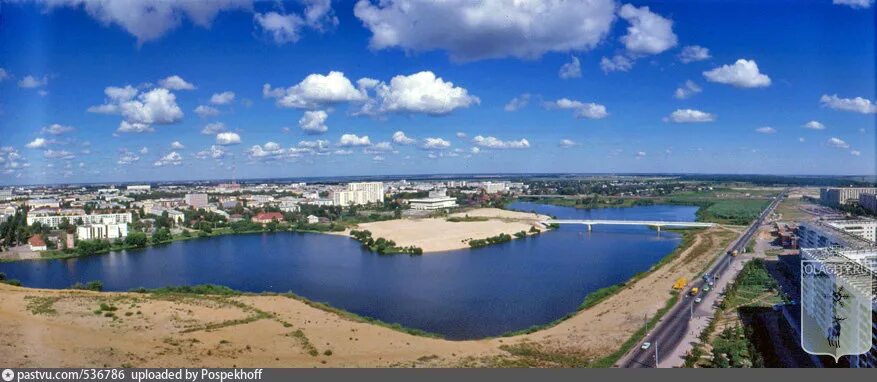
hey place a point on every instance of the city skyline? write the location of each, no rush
(232, 89)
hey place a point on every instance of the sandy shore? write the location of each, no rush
(439, 234)
(60, 328)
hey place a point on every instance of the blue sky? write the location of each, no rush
(779, 87)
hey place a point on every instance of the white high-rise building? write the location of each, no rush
(196, 201)
(359, 193)
(54, 219)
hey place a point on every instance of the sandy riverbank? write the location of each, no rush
(439, 234)
(59, 328)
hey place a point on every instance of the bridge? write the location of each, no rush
(651, 223)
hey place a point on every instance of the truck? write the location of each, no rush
(680, 283)
(693, 291)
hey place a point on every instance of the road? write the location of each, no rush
(671, 329)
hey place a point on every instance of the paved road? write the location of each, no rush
(671, 329)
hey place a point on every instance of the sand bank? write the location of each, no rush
(439, 234)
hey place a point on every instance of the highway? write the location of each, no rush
(671, 329)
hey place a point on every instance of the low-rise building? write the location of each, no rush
(267, 217)
(102, 231)
(43, 203)
(36, 243)
(313, 219)
(138, 188)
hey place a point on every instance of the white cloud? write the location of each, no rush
(421, 92)
(435, 144)
(314, 122)
(204, 111)
(648, 33)
(742, 74)
(694, 53)
(572, 69)
(617, 63)
(316, 145)
(215, 152)
(687, 89)
(149, 19)
(858, 104)
(315, 91)
(126, 157)
(176, 82)
(766, 130)
(855, 153)
(856, 4)
(157, 106)
(518, 102)
(461, 135)
(838, 143)
(286, 28)
(57, 129)
(350, 140)
(691, 116)
(228, 138)
(176, 145)
(580, 109)
(213, 128)
(37, 143)
(272, 150)
(640, 154)
(144, 150)
(223, 98)
(378, 158)
(814, 125)
(473, 30)
(171, 159)
(59, 154)
(379, 147)
(31, 82)
(494, 143)
(400, 138)
(567, 143)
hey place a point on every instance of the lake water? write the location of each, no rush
(461, 294)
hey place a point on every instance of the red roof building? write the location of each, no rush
(267, 217)
(36, 243)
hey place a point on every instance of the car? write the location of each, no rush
(711, 283)
(646, 345)
(697, 300)
(706, 289)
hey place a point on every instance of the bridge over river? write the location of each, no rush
(658, 224)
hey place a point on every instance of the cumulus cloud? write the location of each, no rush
(640, 154)
(156, 106)
(149, 20)
(379, 147)
(126, 157)
(223, 98)
(171, 159)
(31, 82)
(494, 143)
(215, 152)
(567, 143)
(648, 33)
(856, 4)
(694, 53)
(204, 111)
(37, 143)
(580, 109)
(572, 69)
(838, 143)
(858, 104)
(176, 145)
(690, 116)
(57, 129)
(688, 89)
(350, 140)
(517, 103)
(228, 138)
(766, 130)
(474, 30)
(742, 74)
(176, 82)
(58, 154)
(617, 63)
(316, 91)
(814, 125)
(144, 150)
(421, 92)
(434, 144)
(286, 28)
(314, 122)
(273, 150)
(855, 153)
(399, 137)
(213, 128)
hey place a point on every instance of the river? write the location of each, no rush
(462, 294)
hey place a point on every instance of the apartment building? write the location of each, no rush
(835, 197)
(107, 231)
(53, 218)
(196, 201)
(359, 193)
